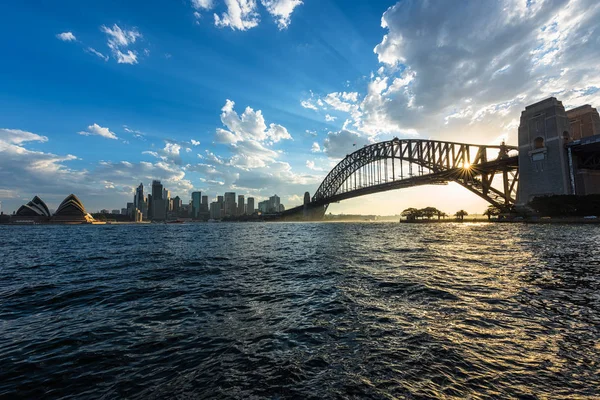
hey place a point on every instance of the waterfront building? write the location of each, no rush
(115, 211)
(35, 208)
(204, 203)
(104, 211)
(240, 205)
(72, 211)
(138, 197)
(250, 206)
(215, 210)
(274, 202)
(159, 203)
(263, 206)
(230, 205)
(546, 165)
(177, 204)
(196, 203)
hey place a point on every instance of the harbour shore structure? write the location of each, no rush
(70, 211)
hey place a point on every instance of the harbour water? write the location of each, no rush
(338, 310)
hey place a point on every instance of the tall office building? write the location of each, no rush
(263, 206)
(215, 210)
(240, 205)
(196, 202)
(138, 198)
(177, 204)
(159, 203)
(274, 203)
(230, 206)
(250, 206)
(204, 203)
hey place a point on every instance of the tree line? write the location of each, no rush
(413, 214)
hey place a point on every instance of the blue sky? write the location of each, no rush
(265, 96)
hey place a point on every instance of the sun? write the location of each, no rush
(466, 165)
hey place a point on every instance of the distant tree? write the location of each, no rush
(410, 214)
(461, 214)
(491, 211)
(429, 212)
(441, 214)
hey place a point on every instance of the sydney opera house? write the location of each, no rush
(70, 211)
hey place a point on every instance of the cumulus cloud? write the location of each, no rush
(96, 129)
(195, 142)
(444, 76)
(241, 15)
(281, 10)
(330, 118)
(66, 37)
(315, 148)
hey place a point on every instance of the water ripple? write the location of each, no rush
(300, 311)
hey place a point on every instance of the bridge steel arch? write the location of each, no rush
(383, 166)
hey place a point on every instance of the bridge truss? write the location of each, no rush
(401, 163)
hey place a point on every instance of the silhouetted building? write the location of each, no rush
(215, 210)
(71, 211)
(240, 205)
(230, 205)
(196, 203)
(547, 135)
(250, 206)
(159, 203)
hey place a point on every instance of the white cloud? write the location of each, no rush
(96, 52)
(308, 104)
(311, 165)
(66, 37)
(250, 126)
(129, 58)
(240, 14)
(118, 37)
(118, 41)
(453, 77)
(281, 10)
(330, 118)
(203, 4)
(195, 142)
(315, 148)
(172, 148)
(17, 136)
(96, 129)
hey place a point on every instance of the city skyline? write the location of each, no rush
(206, 103)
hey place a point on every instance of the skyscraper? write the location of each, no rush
(215, 210)
(177, 204)
(138, 198)
(274, 202)
(196, 202)
(250, 206)
(159, 204)
(240, 206)
(230, 206)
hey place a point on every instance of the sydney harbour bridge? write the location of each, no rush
(558, 154)
(490, 172)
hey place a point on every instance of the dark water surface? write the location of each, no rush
(300, 311)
